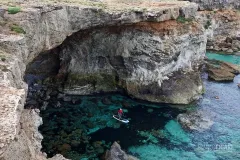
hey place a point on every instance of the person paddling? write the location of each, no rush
(120, 113)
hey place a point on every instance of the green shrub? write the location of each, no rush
(17, 29)
(206, 26)
(13, 10)
(182, 19)
(3, 59)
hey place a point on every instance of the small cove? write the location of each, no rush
(87, 129)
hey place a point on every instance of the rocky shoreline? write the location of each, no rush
(44, 27)
(221, 71)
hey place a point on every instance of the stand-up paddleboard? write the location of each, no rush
(121, 120)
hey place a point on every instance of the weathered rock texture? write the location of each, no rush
(196, 120)
(47, 26)
(152, 61)
(222, 28)
(226, 32)
(27, 139)
(115, 153)
(221, 71)
(221, 19)
(216, 4)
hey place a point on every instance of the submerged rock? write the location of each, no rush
(150, 110)
(106, 101)
(126, 104)
(174, 132)
(116, 153)
(64, 148)
(75, 143)
(195, 121)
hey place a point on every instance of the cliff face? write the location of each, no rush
(223, 30)
(152, 61)
(221, 20)
(46, 26)
(216, 4)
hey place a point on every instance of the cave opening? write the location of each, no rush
(81, 126)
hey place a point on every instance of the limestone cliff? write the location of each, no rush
(157, 62)
(37, 27)
(223, 30)
(221, 19)
(216, 4)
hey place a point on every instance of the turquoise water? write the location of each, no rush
(227, 58)
(87, 129)
(221, 141)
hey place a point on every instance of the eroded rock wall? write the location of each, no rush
(221, 19)
(152, 61)
(223, 30)
(45, 27)
(217, 4)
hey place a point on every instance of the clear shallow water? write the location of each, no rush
(153, 132)
(227, 58)
(87, 129)
(222, 141)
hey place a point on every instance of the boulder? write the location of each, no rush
(221, 71)
(116, 153)
(235, 69)
(220, 75)
(230, 51)
(237, 54)
(196, 120)
(228, 40)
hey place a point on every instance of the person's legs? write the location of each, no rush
(119, 115)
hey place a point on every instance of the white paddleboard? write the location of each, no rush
(121, 120)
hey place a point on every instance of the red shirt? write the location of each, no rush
(120, 111)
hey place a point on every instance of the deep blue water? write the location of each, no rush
(86, 129)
